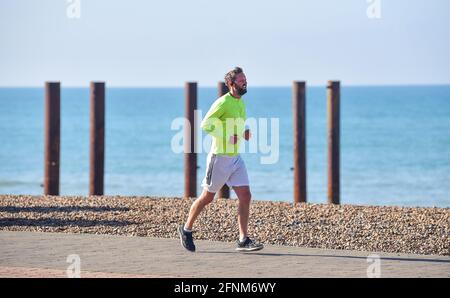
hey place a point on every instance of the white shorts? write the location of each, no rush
(221, 169)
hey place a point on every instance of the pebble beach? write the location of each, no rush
(349, 227)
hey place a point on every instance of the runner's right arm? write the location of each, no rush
(212, 122)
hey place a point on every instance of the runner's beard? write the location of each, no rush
(241, 91)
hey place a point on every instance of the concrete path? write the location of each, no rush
(32, 254)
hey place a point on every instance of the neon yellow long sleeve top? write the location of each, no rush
(225, 118)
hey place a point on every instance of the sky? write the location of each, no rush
(166, 43)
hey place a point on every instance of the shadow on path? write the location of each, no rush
(327, 256)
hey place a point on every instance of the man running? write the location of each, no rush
(225, 123)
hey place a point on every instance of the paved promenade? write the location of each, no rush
(34, 254)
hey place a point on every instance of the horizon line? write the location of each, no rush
(212, 86)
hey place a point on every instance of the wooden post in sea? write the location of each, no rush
(190, 155)
(97, 138)
(299, 109)
(224, 192)
(52, 138)
(333, 111)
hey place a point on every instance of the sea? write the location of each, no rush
(395, 143)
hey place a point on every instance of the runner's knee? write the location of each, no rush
(208, 198)
(246, 196)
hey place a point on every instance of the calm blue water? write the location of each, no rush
(395, 143)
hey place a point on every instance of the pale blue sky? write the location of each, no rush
(165, 43)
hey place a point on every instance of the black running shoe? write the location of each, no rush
(186, 238)
(248, 245)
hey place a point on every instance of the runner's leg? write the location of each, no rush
(204, 199)
(244, 196)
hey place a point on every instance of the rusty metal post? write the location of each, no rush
(224, 192)
(299, 108)
(190, 155)
(333, 111)
(52, 138)
(221, 89)
(97, 138)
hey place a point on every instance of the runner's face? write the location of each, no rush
(240, 84)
